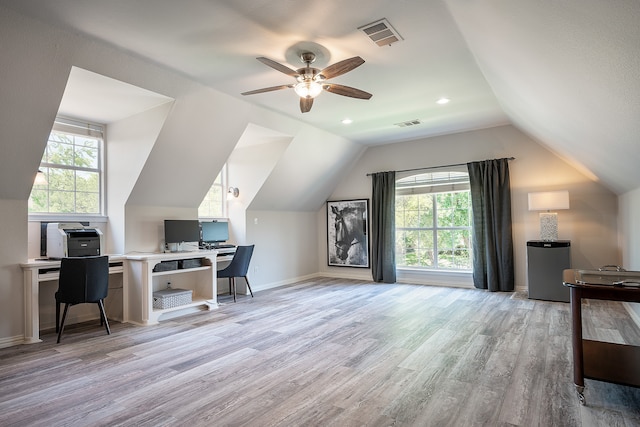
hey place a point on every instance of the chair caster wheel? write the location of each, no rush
(580, 393)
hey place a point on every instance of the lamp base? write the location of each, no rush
(549, 226)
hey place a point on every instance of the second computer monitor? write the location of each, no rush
(215, 232)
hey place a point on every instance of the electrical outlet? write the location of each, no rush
(255, 269)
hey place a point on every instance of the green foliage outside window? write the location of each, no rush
(433, 230)
(71, 165)
(214, 202)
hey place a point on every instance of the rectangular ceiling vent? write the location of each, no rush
(381, 32)
(409, 123)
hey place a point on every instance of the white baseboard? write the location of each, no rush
(264, 286)
(72, 320)
(11, 341)
(461, 280)
(356, 275)
(452, 279)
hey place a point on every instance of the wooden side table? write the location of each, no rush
(597, 360)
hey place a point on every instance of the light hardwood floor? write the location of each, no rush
(326, 352)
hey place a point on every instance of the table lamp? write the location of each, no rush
(547, 201)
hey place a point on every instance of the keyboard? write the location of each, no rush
(223, 246)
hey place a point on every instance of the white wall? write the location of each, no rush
(590, 224)
(129, 143)
(12, 253)
(144, 228)
(247, 168)
(629, 234)
(629, 230)
(286, 247)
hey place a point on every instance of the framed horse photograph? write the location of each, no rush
(348, 233)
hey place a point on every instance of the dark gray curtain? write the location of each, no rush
(492, 240)
(383, 230)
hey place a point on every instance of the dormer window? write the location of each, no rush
(72, 164)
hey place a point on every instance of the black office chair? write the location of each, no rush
(238, 267)
(82, 280)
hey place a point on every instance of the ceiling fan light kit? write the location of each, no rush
(308, 89)
(312, 81)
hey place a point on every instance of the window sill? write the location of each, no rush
(67, 218)
(452, 278)
(434, 271)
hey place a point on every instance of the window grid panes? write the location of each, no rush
(72, 166)
(433, 229)
(214, 204)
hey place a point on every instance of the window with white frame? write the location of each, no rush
(72, 165)
(214, 204)
(433, 221)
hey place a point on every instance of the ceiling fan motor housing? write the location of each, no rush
(308, 57)
(309, 73)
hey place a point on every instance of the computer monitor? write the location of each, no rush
(181, 230)
(215, 232)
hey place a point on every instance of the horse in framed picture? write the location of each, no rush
(348, 243)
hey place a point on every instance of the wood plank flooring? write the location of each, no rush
(325, 352)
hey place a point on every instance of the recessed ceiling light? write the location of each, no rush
(346, 121)
(443, 101)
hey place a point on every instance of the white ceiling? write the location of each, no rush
(567, 73)
(100, 99)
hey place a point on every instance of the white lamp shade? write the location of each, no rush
(549, 200)
(40, 179)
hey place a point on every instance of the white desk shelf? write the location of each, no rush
(143, 282)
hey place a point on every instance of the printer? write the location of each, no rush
(72, 239)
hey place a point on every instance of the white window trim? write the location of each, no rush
(224, 175)
(454, 187)
(82, 128)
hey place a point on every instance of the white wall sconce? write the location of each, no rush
(233, 193)
(548, 201)
(40, 178)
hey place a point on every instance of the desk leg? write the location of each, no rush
(578, 355)
(31, 307)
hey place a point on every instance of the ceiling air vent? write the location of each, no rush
(409, 123)
(381, 32)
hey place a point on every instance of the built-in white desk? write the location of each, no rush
(139, 283)
(37, 271)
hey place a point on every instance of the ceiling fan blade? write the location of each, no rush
(277, 66)
(266, 89)
(346, 91)
(306, 104)
(342, 67)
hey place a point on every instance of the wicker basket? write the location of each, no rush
(170, 298)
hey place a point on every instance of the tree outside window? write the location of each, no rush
(214, 204)
(72, 167)
(433, 221)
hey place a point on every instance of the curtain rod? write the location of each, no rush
(436, 167)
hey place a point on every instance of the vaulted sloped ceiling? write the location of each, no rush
(565, 72)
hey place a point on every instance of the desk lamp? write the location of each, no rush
(547, 201)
